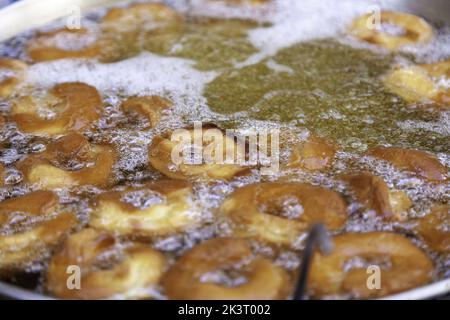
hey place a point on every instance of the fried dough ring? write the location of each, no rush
(45, 46)
(172, 212)
(150, 107)
(149, 16)
(435, 228)
(417, 30)
(9, 83)
(27, 246)
(139, 268)
(409, 267)
(314, 154)
(425, 165)
(252, 210)
(420, 83)
(49, 169)
(77, 106)
(265, 280)
(374, 194)
(162, 148)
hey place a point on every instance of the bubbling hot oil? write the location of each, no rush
(272, 72)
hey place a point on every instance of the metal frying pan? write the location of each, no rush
(28, 14)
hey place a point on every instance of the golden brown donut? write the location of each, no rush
(14, 73)
(164, 147)
(48, 225)
(374, 194)
(435, 228)
(70, 161)
(170, 210)
(147, 16)
(139, 267)
(79, 43)
(403, 266)
(416, 30)
(314, 154)
(420, 83)
(425, 165)
(76, 106)
(281, 212)
(187, 279)
(150, 107)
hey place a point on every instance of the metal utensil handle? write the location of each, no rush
(317, 237)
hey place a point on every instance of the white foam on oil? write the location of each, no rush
(298, 21)
(144, 74)
(441, 126)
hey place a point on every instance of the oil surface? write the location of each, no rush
(250, 70)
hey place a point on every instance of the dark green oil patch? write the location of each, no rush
(212, 43)
(332, 89)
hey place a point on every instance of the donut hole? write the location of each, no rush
(283, 205)
(143, 199)
(392, 29)
(228, 277)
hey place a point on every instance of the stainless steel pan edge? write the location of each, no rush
(28, 14)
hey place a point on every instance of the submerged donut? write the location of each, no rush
(188, 278)
(64, 43)
(147, 16)
(414, 30)
(138, 268)
(435, 228)
(75, 107)
(70, 161)
(12, 72)
(420, 83)
(181, 143)
(150, 107)
(403, 266)
(314, 154)
(374, 194)
(26, 244)
(166, 208)
(423, 164)
(281, 212)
